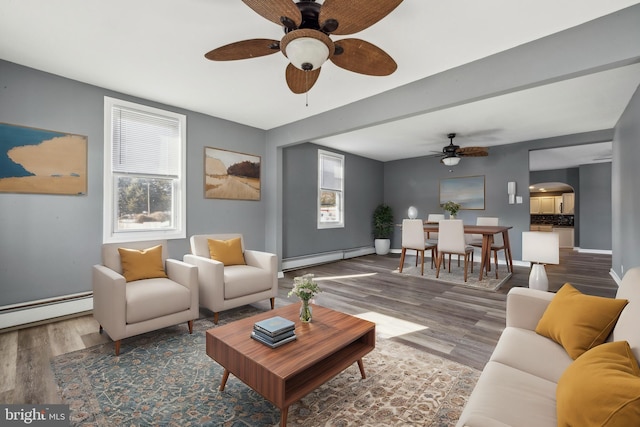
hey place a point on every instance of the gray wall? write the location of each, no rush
(625, 191)
(48, 243)
(363, 192)
(569, 176)
(595, 206)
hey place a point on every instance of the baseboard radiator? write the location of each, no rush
(325, 257)
(23, 314)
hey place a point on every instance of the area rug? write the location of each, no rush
(456, 277)
(166, 379)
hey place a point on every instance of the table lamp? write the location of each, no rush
(412, 212)
(540, 247)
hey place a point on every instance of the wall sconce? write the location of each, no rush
(511, 191)
(540, 247)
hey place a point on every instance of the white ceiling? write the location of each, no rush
(154, 49)
(570, 157)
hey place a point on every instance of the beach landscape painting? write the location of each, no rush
(231, 175)
(42, 161)
(466, 191)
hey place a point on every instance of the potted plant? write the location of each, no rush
(452, 208)
(382, 228)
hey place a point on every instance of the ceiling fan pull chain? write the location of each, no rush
(306, 94)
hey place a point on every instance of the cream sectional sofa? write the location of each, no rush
(518, 385)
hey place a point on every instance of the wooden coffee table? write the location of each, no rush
(323, 348)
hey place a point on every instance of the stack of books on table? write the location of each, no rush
(274, 331)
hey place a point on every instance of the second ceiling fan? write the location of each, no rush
(307, 26)
(452, 153)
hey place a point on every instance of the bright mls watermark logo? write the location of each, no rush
(35, 415)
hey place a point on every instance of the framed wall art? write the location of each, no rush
(466, 191)
(42, 161)
(231, 175)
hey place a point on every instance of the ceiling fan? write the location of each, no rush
(307, 26)
(452, 153)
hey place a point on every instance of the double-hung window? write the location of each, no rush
(330, 190)
(144, 173)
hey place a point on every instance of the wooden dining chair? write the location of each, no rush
(451, 241)
(433, 219)
(476, 239)
(413, 239)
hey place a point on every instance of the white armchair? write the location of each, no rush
(225, 287)
(124, 309)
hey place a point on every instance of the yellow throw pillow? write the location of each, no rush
(579, 322)
(600, 388)
(142, 264)
(228, 252)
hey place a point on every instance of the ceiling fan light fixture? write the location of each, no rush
(307, 54)
(307, 49)
(451, 160)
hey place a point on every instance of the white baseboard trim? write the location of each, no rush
(595, 251)
(44, 311)
(615, 277)
(323, 258)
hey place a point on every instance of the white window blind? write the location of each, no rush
(331, 172)
(144, 143)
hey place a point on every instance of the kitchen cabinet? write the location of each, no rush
(568, 203)
(565, 235)
(557, 205)
(534, 205)
(542, 205)
(547, 205)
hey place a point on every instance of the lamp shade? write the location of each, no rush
(412, 212)
(451, 160)
(307, 49)
(541, 247)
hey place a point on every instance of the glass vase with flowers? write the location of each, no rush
(305, 288)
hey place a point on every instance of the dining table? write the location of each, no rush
(487, 231)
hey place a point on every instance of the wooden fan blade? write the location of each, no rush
(363, 57)
(355, 15)
(472, 151)
(301, 81)
(244, 49)
(274, 9)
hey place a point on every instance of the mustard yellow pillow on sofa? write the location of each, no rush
(600, 388)
(228, 252)
(579, 322)
(142, 264)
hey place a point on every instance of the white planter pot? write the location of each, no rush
(382, 246)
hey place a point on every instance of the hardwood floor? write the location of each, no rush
(455, 322)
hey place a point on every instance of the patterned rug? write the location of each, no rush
(456, 277)
(165, 378)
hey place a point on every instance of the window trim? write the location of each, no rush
(341, 223)
(109, 182)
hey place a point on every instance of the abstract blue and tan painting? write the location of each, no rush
(467, 191)
(42, 161)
